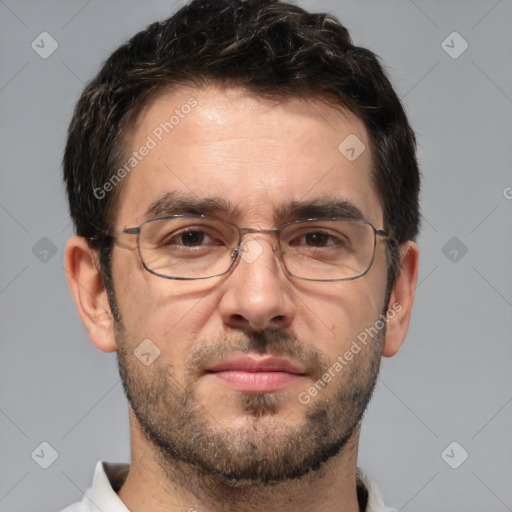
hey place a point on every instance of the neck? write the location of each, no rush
(158, 485)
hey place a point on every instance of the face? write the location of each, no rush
(253, 379)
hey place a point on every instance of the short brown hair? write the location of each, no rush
(271, 48)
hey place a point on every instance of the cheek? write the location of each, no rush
(339, 314)
(171, 313)
(133, 294)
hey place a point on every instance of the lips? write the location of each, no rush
(256, 375)
(249, 364)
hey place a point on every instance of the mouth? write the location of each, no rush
(256, 375)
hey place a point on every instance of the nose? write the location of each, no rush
(257, 293)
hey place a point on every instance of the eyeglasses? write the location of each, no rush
(200, 247)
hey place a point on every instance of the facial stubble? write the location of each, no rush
(264, 449)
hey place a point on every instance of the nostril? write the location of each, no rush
(238, 320)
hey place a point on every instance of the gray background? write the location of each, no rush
(452, 379)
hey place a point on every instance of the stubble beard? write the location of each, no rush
(264, 449)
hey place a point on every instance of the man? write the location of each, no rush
(244, 187)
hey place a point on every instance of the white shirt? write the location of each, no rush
(109, 477)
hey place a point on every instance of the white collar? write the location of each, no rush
(109, 477)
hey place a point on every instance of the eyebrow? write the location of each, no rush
(321, 208)
(175, 203)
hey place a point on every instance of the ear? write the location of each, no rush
(90, 295)
(401, 299)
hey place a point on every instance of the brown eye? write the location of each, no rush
(191, 238)
(317, 239)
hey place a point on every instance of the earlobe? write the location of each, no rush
(89, 293)
(401, 299)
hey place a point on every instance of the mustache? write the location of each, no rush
(273, 341)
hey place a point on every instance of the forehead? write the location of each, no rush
(256, 156)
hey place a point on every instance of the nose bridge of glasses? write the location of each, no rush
(250, 246)
(256, 231)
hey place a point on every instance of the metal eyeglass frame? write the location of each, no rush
(236, 252)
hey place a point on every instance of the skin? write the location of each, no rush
(258, 154)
